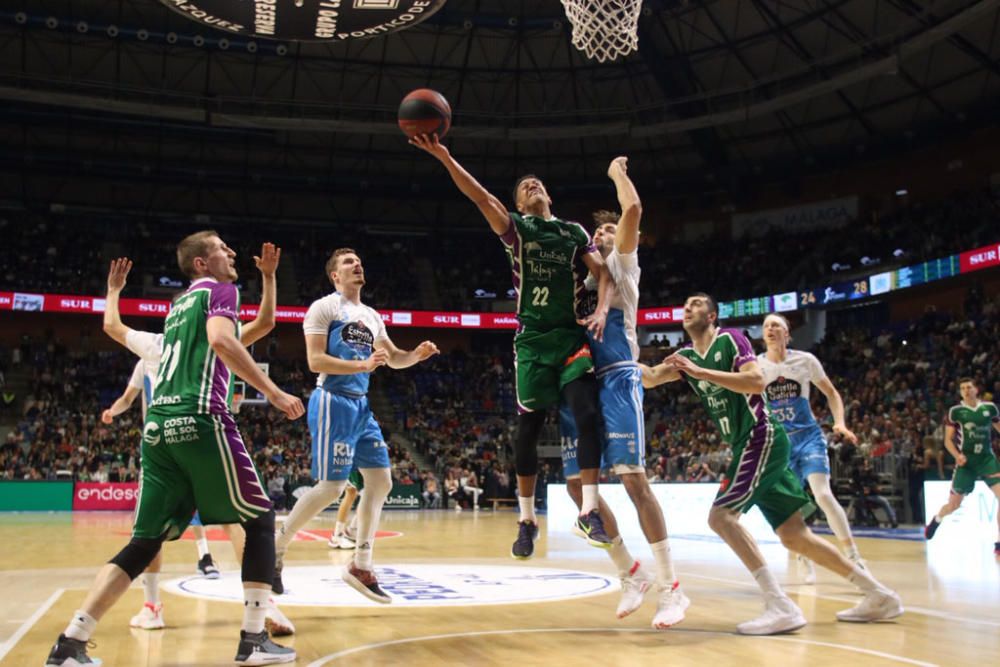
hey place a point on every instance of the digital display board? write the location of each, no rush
(760, 305)
(927, 272)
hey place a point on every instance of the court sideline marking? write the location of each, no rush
(525, 631)
(8, 645)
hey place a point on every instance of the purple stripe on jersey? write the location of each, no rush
(223, 301)
(754, 456)
(247, 481)
(744, 351)
(219, 391)
(512, 240)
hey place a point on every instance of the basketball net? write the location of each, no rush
(604, 29)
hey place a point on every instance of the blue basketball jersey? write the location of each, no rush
(351, 330)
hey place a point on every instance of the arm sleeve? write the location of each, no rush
(147, 346)
(136, 380)
(744, 351)
(224, 302)
(319, 316)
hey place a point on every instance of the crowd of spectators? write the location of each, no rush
(468, 269)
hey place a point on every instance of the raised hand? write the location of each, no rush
(426, 350)
(267, 263)
(117, 273)
(430, 143)
(618, 167)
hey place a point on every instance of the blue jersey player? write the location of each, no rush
(345, 342)
(789, 375)
(621, 393)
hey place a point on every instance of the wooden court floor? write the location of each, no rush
(468, 603)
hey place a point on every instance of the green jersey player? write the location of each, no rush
(973, 422)
(720, 366)
(549, 259)
(193, 456)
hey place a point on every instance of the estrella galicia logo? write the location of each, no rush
(416, 585)
(783, 389)
(358, 337)
(150, 434)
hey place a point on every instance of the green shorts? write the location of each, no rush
(545, 362)
(759, 475)
(195, 462)
(356, 479)
(964, 479)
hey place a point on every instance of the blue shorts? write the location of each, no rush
(808, 453)
(344, 434)
(624, 437)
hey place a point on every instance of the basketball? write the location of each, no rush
(424, 111)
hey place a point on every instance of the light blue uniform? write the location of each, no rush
(621, 391)
(788, 387)
(344, 431)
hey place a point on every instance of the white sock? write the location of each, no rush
(353, 525)
(590, 496)
(81, 627)
(151, 586)
(852, 552)
(938, 518)
(306, 508)
(664, 563)
(202, 547)
(254, 608)
(863, 580)
(378, 483)
(339, 529)
(620, 556)
(527, 504)
(767, 582)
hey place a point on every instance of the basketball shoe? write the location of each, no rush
(206, 566)
(996, 549)
(71, 653)
(524, 545)
(591, 528)
(256, 648)
(634, 587)
(879, 605)
(670, 606)
(364, 582)
(931, 528)
(276, 622)
(780, 615)
(150, 618)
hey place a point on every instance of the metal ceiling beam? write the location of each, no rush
(961, 43)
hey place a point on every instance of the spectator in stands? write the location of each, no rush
(866, 494)
(431, 494)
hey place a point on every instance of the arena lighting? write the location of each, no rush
(82, 27)
(171, 38)
(902, 192)
(223, 44)
(52, 23)
(142, 34)
(198, 40)
(20, 18)
(112, 30)
(252, 47)
(281, 50)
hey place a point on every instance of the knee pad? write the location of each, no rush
(137, 555)
(529, 426)
(258, 553)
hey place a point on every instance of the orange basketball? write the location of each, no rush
(424, 111)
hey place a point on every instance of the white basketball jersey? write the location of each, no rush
(149, 348)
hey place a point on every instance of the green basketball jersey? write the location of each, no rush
(546, 258)
(974, 427)
(742, 418)
(192, 379)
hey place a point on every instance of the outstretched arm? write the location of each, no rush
(654, 376)
(117, 274)
(492, 208)
(837, 409)
(262, 325)
(321, 362)
(627, 236)
(121, 404)
(404, 359)
(747, 380)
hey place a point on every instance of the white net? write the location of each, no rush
(604, 29)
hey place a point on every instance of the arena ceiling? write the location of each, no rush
(721, 94)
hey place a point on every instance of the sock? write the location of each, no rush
(378, 483)
(664, 563)
(363, 556)
(938, 518)
(527, 504)
(202, 547)
(863, 580)
(853, 553)
(339, 529)
(151, 586)
(254, 609)
(306, 508)
(589, 498)
(620, 556)
(353, 525)
(767, 582)
(81, 627)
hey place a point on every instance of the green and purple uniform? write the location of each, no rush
(974, 427)
(193, 456)
(550, 348)
(759, 473)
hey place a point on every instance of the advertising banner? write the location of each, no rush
(89, 496)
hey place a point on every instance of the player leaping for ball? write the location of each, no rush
(973, 421)
(720, 366)
(549, 258)
(789, 374)
(346, 342)
(620, 379)
(193, 456)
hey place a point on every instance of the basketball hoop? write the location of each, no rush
(604, 29)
